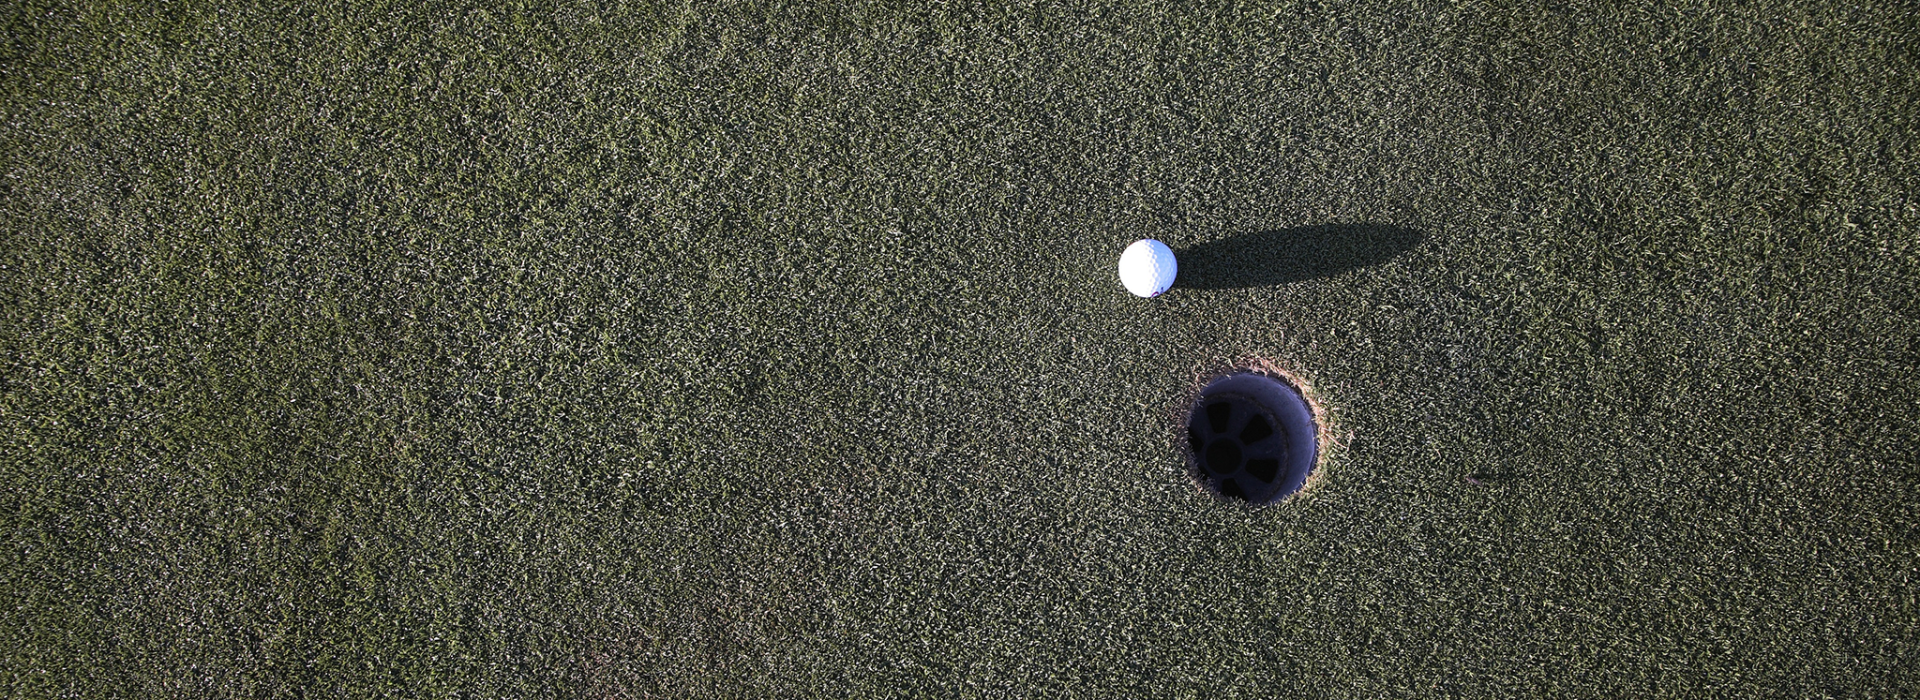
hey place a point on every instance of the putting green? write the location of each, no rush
(776, 350)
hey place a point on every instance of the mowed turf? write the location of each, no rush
(777, 350)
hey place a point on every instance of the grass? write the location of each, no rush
(774, 349)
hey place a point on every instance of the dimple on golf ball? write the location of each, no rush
(1147, 268)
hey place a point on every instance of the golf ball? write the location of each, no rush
(1147, 268)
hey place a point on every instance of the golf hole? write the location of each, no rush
(1252, 437)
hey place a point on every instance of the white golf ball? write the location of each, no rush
(1147, 268)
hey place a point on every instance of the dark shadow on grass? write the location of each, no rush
(1279, 256)
(1493, 478)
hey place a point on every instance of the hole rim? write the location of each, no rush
(1295, 420)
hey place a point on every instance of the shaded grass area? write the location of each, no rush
(1285, 256)
(774, 349)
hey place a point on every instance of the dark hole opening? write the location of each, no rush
(1263, 469)
(1257, 429)
(1223, 456)
(1219, 416)
(1253, 424)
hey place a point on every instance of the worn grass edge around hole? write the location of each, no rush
(1330, 435)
